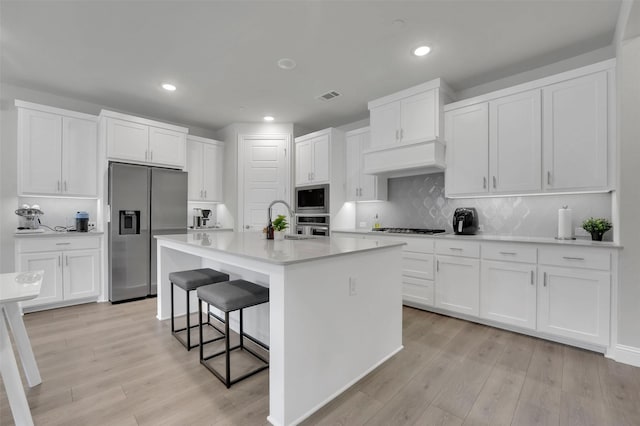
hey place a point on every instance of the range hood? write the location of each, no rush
(406, 160)
(407, 131)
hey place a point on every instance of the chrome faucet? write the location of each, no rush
(291, 212)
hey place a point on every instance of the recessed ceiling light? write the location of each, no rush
(169, 87)
(268, 118)
(287, 63)
(421, 50)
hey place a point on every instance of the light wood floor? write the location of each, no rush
(105, 364)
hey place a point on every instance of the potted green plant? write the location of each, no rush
(279, 226)
(597, 227)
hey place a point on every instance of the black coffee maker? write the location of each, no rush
(465, 221)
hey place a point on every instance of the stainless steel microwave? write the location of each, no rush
(312, 199)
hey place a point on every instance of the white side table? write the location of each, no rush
(16, 287)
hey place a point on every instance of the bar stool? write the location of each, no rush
(228, 297)
(188, 281)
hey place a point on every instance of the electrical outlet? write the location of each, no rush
(352, 287)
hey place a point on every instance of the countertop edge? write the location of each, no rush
(54, 234)
(495, 238)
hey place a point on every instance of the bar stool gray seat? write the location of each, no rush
(188, 281)
(228, 297)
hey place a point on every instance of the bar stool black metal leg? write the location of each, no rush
(173, 328)
(208, 316)
(200, 329)
(227, 341)
(241, 331)
(188, 323)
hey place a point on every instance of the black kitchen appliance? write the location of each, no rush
(465, 221)
(312, 199)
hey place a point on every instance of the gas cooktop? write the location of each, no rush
(410, 230)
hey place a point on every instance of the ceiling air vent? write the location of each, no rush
(329, 95)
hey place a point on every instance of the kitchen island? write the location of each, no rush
(335, 310)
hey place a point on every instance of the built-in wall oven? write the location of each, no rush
(313, 224)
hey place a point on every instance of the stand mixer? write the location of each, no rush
(29, 218)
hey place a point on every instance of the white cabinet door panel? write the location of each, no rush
(303, 162)
(385, 124)
(458, 284)
(79, 157)
(575, 303)
(127, 140)
(354, 165)
(81, 274)
(508, 293)
(419, 117)
(417, 265)
(515, 144)
(467, 135)
(194, 169)
(41, 149)
(320, 156)
(576, 134)
(167, 147)
(213, 156)
(51, 264)
(417, 290)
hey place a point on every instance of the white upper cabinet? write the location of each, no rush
(550, 135)
(312, 160)
(576, 134)
(57, 152)
(139, 140)
(406, 131)
(515, 154)
(360, 186)
(467, 131)
(205, 159)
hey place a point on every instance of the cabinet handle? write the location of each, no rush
(544, 279)
(532, 277)
(548, 178)
(146, 155)
(397, 133)
(510, 253)
(401, 134)
(66, 260)
(59, 262)
(455, 248)
(437, 265)
(58, 186)
(205, 193)
(572, 258)
(484, 182)
(62, 244)
(494, 182)
(151, 153)
(201, 193)
(65, 186)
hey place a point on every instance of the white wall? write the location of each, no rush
(629, 193)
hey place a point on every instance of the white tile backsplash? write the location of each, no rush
(419, 202)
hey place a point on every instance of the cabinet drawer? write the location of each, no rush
(576, 257)
(458, 248)
(419, 245)
(418, 291)
(58, 244)
(509, 252)
(417, 265)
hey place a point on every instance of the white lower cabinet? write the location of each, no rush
(71, 269)
(575, 303)
(508, 293)
(457, 284)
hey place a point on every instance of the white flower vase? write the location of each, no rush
(278, 235)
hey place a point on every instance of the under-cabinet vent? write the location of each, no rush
(329, 95)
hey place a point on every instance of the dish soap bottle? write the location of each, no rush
(376, 222)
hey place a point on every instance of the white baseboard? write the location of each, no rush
(627, 355)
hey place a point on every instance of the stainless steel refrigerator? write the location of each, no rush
(144, 202)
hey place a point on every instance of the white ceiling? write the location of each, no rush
(222, 54)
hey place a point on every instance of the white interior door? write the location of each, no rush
(264, 178)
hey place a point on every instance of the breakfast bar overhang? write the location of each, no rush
(335, 309)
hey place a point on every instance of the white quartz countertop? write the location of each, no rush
(484, 237)
(18, 286)
(65, 234)
(207, 229)
(253, 245)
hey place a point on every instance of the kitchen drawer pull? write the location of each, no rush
(548, 178)
(65, 186)
(455, 248)
(66, 260)
(58, 185)
(572, 258)
(494, 182)
(59, 262)
(484, 183)
(205, 193)
(544, 279)
(62, 244)
(437, 265)
(510, 253)
(532, 277)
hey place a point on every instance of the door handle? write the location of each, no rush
(59, 262)
(437, 265)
